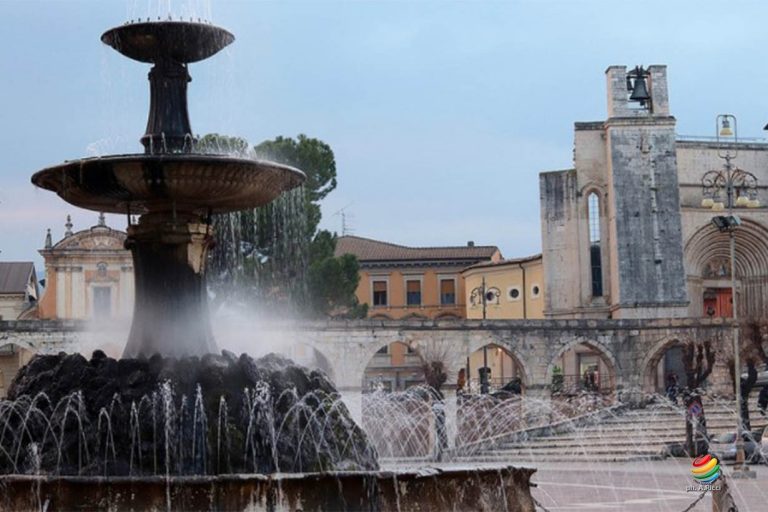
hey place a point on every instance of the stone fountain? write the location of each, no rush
(173, 425)
(173, 188)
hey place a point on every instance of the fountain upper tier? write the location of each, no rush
(169, 176)
(184, 182)
(180, 41)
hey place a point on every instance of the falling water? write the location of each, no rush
(284, 419)
(262, 253)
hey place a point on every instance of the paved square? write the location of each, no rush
(644, 486)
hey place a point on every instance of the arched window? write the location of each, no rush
(595, 258)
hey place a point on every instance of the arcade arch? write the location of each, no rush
(505, 369)
(584, 366)
(665, 360)
(395, 366)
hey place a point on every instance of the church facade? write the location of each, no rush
(89, 275)
(625, 233)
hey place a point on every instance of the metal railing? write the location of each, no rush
(494, 384)
(711, 138)
(575, 383)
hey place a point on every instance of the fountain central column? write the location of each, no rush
(171, 314)
(168, 128)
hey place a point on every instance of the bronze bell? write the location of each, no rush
(639, 89)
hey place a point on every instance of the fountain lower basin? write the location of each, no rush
(504, 488)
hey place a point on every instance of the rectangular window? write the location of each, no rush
(102, 302)
(413, 293)
(379, 293)
(447, 292)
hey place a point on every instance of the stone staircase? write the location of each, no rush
(631, 435)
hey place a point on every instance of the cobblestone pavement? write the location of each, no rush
(645, 486)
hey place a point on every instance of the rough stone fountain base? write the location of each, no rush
(425, 490)
(219, 414)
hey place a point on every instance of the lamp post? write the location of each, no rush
(484, 294)
(740, 189)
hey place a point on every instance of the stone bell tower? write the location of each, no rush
(643, 203)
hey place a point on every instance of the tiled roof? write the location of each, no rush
(496, 264)
(373, 250)
(14, 276)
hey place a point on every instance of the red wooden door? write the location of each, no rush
(719, 304)
(724, 303)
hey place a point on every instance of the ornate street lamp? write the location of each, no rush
(740, 189)
(482, 295)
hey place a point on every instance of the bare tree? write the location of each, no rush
(754, 332)
(698, 360)
(435, 358)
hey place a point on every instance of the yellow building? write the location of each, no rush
(505, 290)
(413, 282)
(502, 290)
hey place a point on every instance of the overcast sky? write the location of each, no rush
(441, 114)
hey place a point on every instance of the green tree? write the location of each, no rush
(216, 144)
(312, 156)
(332, 280)
(276, 251)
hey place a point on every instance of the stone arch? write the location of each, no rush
(751, 248)
(297, 352)
(447, 316)
(593, 186)
(605, 352)
(707, 244)
(323, 362)
(408, 366)
(521, 362)
(439, 346)
(6, 340)
(380, 316)
(414, 316)
(653, 358)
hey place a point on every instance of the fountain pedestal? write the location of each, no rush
(169, 254)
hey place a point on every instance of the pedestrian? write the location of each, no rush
(672, 388)
(762, 400)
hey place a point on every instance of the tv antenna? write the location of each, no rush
(346, 217)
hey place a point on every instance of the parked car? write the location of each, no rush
(724, 447)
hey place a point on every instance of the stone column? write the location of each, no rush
(61, 296)
(79, 292)
(171, 314)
